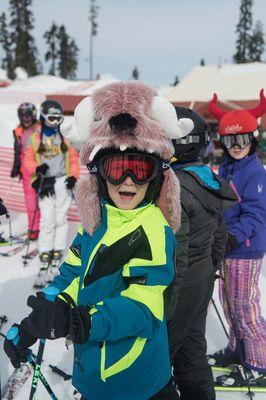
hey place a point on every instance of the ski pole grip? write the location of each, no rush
(50, 293)
(13, 335)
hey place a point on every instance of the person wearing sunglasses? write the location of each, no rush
(53, 165)
(28, 124)
(246, 245)
(115, 281)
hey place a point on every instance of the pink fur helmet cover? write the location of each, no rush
(156, 125)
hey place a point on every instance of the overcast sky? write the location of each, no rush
(163, 38)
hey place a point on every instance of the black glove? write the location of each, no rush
(15, 171)
(18, 354)
(42, 169)
(44, 186)
(70, 182)
(48, 320)
(3, 209)
(80, 324)
(231, 243)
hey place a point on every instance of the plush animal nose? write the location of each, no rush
(123, 123)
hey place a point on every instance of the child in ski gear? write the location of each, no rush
(246, 245)
(200, 250)
(120, 264)
(27, 115)
(53, 163)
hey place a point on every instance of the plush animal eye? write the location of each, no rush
(97, 119)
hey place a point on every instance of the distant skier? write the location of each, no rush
(199, 253)
(27, 114)
(246, 245)
(114, 280)
(55, 165)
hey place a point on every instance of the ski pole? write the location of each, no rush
(13, 336)
(220, 318)
(50, 294)
(235, 329)
(59, 371)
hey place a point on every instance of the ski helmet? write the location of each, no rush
(193, 146)
(27, 114)
(51, 113)
(238, 127)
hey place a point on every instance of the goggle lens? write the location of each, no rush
(237, 140)
(140, 167)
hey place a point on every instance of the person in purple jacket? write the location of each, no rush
(246, 245)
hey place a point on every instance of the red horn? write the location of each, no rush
(214, 110)
(261, 108)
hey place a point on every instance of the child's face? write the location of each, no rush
(237, 153)
(127, 195)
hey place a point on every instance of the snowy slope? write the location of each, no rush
(16, 285)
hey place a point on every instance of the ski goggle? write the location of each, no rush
(116, 168)
(241, 141)
(53, 119)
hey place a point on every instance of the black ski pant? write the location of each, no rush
(188, 346)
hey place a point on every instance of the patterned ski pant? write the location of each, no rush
(242, 283)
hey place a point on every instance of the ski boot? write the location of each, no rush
(41, 280)
(56, 257)
(223, 358)
(239, 378)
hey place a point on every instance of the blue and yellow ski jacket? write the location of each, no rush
(121, 273)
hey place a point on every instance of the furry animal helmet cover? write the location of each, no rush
(127, 115)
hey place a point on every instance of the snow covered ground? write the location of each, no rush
(16, 285)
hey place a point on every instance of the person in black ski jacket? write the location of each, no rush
(201, 240)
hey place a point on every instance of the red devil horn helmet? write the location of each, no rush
(260, 109)
(214, 109)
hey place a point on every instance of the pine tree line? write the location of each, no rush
(20, 49)
(250, 41)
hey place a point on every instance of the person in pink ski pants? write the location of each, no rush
(28, 125)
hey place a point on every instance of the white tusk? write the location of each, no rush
(83, 116)
(164, 112)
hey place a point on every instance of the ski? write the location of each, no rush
(33, 253)
(14, 250)
(254, 389)
(16, 381)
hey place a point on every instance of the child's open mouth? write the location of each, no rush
(127, 196)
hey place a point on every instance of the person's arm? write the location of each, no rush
(220, 238)
(252, 209)
(181, 256)
(16, 161)
(73, 163)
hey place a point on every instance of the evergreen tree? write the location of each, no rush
(67, 54)
(73, 59)
(21, 24)
(256, 46)
(243, 29)
(5, 40)
(51, 39)
(135, 73)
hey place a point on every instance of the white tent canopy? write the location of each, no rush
(231, 82)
